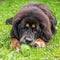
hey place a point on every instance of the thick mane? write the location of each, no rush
(39, 12)
(31, 12)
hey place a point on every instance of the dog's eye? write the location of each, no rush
(27, 25)
(33, 25)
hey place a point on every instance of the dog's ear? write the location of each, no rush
(14, 32)
(45, 32)
(9, 21)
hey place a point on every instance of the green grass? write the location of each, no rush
(51, 52)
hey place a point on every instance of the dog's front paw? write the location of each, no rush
(40, 43)
(15, 44)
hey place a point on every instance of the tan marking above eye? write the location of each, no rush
(27, 25)
(33, 25)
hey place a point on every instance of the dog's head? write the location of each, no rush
(29, 30)
(32, 27)
(31, 23)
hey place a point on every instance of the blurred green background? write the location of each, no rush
(51, 52)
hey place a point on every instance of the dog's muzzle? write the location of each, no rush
(28, 39)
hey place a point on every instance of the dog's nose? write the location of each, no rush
(28, 40)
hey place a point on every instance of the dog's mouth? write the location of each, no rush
(27, 39)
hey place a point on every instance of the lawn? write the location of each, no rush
(51, 52)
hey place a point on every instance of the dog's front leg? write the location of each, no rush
(15, 44)
(40, 43)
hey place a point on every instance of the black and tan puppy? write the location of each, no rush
(33, 24)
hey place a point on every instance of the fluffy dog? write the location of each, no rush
(33, 24)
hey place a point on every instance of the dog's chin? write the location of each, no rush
(32, 44)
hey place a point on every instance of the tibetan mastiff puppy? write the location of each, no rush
(33, 24)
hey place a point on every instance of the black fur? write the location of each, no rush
(45, 22)
(9, 21)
